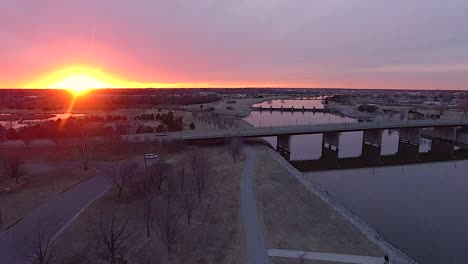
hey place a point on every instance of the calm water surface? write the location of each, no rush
(288, 103)
(422, 209)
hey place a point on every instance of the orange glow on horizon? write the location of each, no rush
(77, 80)
(80, 79)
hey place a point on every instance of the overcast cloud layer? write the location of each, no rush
(307, 43)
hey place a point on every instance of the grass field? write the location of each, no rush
(294, 218)
(214, 236)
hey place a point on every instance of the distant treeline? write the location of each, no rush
(75, 126)
(106, 99)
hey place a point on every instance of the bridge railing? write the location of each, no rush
(316, 128)
(349, 126)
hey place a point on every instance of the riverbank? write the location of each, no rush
(369, 234)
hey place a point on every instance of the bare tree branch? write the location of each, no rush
(121, 172)
(168, 229)
(42, 250)
(149, 192)
(114, 235)
(235, 146)
(189, 205)
(200, 166)
(182, 178)
(85, 149)
(12, 167)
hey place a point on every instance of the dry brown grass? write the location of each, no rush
(294, 218)
(37, 187)
(215, 235)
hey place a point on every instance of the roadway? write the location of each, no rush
(253, 132)
(18, 243)
(306, 129)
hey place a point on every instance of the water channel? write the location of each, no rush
(417, 200)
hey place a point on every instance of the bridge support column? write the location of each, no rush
(442, 149)
(462, 137)
(410, 135)
(444, 133)
(408, 147)
(283, 146)
(443, 142)
(371, 146)
(330, 147)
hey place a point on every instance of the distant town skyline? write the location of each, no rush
(401, 44)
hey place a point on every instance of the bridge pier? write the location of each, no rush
(444, 133)
(410, 135)
(462, 137)
(442, 149)
(283, 145)
(330, 147)
(443, 142)
(408, 146)
(371, 146)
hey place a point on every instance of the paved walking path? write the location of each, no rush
(344, 258)
(17, 243)
(254, 240)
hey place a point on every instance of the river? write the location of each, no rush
(420, 207)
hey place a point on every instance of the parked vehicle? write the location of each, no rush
(151, 156)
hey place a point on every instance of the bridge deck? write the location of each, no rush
(310, 129)
(254, 132)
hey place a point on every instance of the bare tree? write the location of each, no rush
(170, 192)
(1, 220)
(200, 166)
(235, 146)
(442, 107)
(168, 229)
(189, 205)
(121, 172)
(463, 105)
(149, 193)
(2, 134)
(42, 250)
(85, 149)
(182, 178)
(12, 167)
(201, 183)
(3, 173)
(26, 137)
(301, 257)
(114, 235)
(158, 173)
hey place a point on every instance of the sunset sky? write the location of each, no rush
(222, 43)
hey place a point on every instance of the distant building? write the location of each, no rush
(435, 103)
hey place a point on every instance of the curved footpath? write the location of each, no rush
(254, 239)
(17, 244)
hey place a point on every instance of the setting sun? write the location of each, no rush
(79, 83)
(77, 80)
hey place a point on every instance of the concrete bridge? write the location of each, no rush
(410, 128)
(410, 134)
(290, 109)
